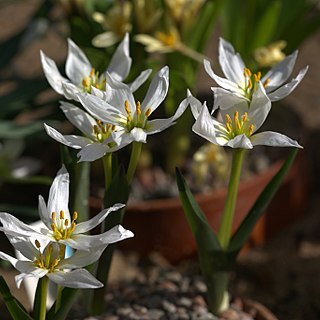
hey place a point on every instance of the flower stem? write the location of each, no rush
(43, 306)
(134, 159)
(107, 166)
(224, 233)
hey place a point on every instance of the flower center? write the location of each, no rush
(103, 130)
(94, 80)
(238, 126)
(138, 119)
(49, 259)
(62, 228)
(251, 81)
(168, 39)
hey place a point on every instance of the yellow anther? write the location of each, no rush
(75, 216)
(247, 72)
(244, 117)
(249, 84)
(228, 119)
(96, 129)
(113, 127)
(257, 77)
(251, 128)
(37, 243)
(265, 84)
(228, 126)
(53, 227)
(127, 107)
(66, 222)
(92, 72)
(54, 264)
(236, 116)
(53, 216)
(148, 112)
(61, 214)
(86, 82)
(103, 129)
(108, 126)
(138, 108)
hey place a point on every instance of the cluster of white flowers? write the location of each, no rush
(244, 101)
(43, 248)
(112, 118)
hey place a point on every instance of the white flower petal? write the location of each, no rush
(274, 139)
(73, 141)
(43, 212)
(80, 119)
(157, 91)
(228, 101)
(224, 83)
(15, 227)
(87, 242)
(93, 151)
(286, 89)
(82, 258)
(155, 126)
(59, 195)
(52, 73)
(240, 141)
(86, 226)
(105, 39)
(231, 63)
(205, 126)
(259, 108)
(79, 278)
(120, 63)
(77, 64)
(280, 72)
(71, 91)
(138, 135)
(141, 79)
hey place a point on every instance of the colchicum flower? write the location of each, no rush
(123, 111)
(240, 84)
(239, 126)
(47, 261)
(60, 226)
(83, 77)
(98, 138)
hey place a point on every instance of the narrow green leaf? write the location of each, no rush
(68, 297)
(202, 231)
(37, 301)
(15, 308)
(244, 230)
(266, 26)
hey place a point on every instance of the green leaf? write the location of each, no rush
(244, 230)
(266, 26)
(11, 130)
(68, 297)
(202, 231)
(15, 308)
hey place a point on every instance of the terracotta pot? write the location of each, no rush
(160, 225)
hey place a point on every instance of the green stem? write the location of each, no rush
(43, 306)
(224, 233)
(107, 166)
(58, 300)
(134, 159)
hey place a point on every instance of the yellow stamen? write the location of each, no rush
(244, 117)
(92, 72)
(228, 118)
(75, 216)
(148, 112)
(86, 82)
(66, 222)
(53, 216)
(265, 84)
(249, 84)
(126, 105)
(61, 214)
(138, 108)
(113, 128)
(247, 72)
(251, 128)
